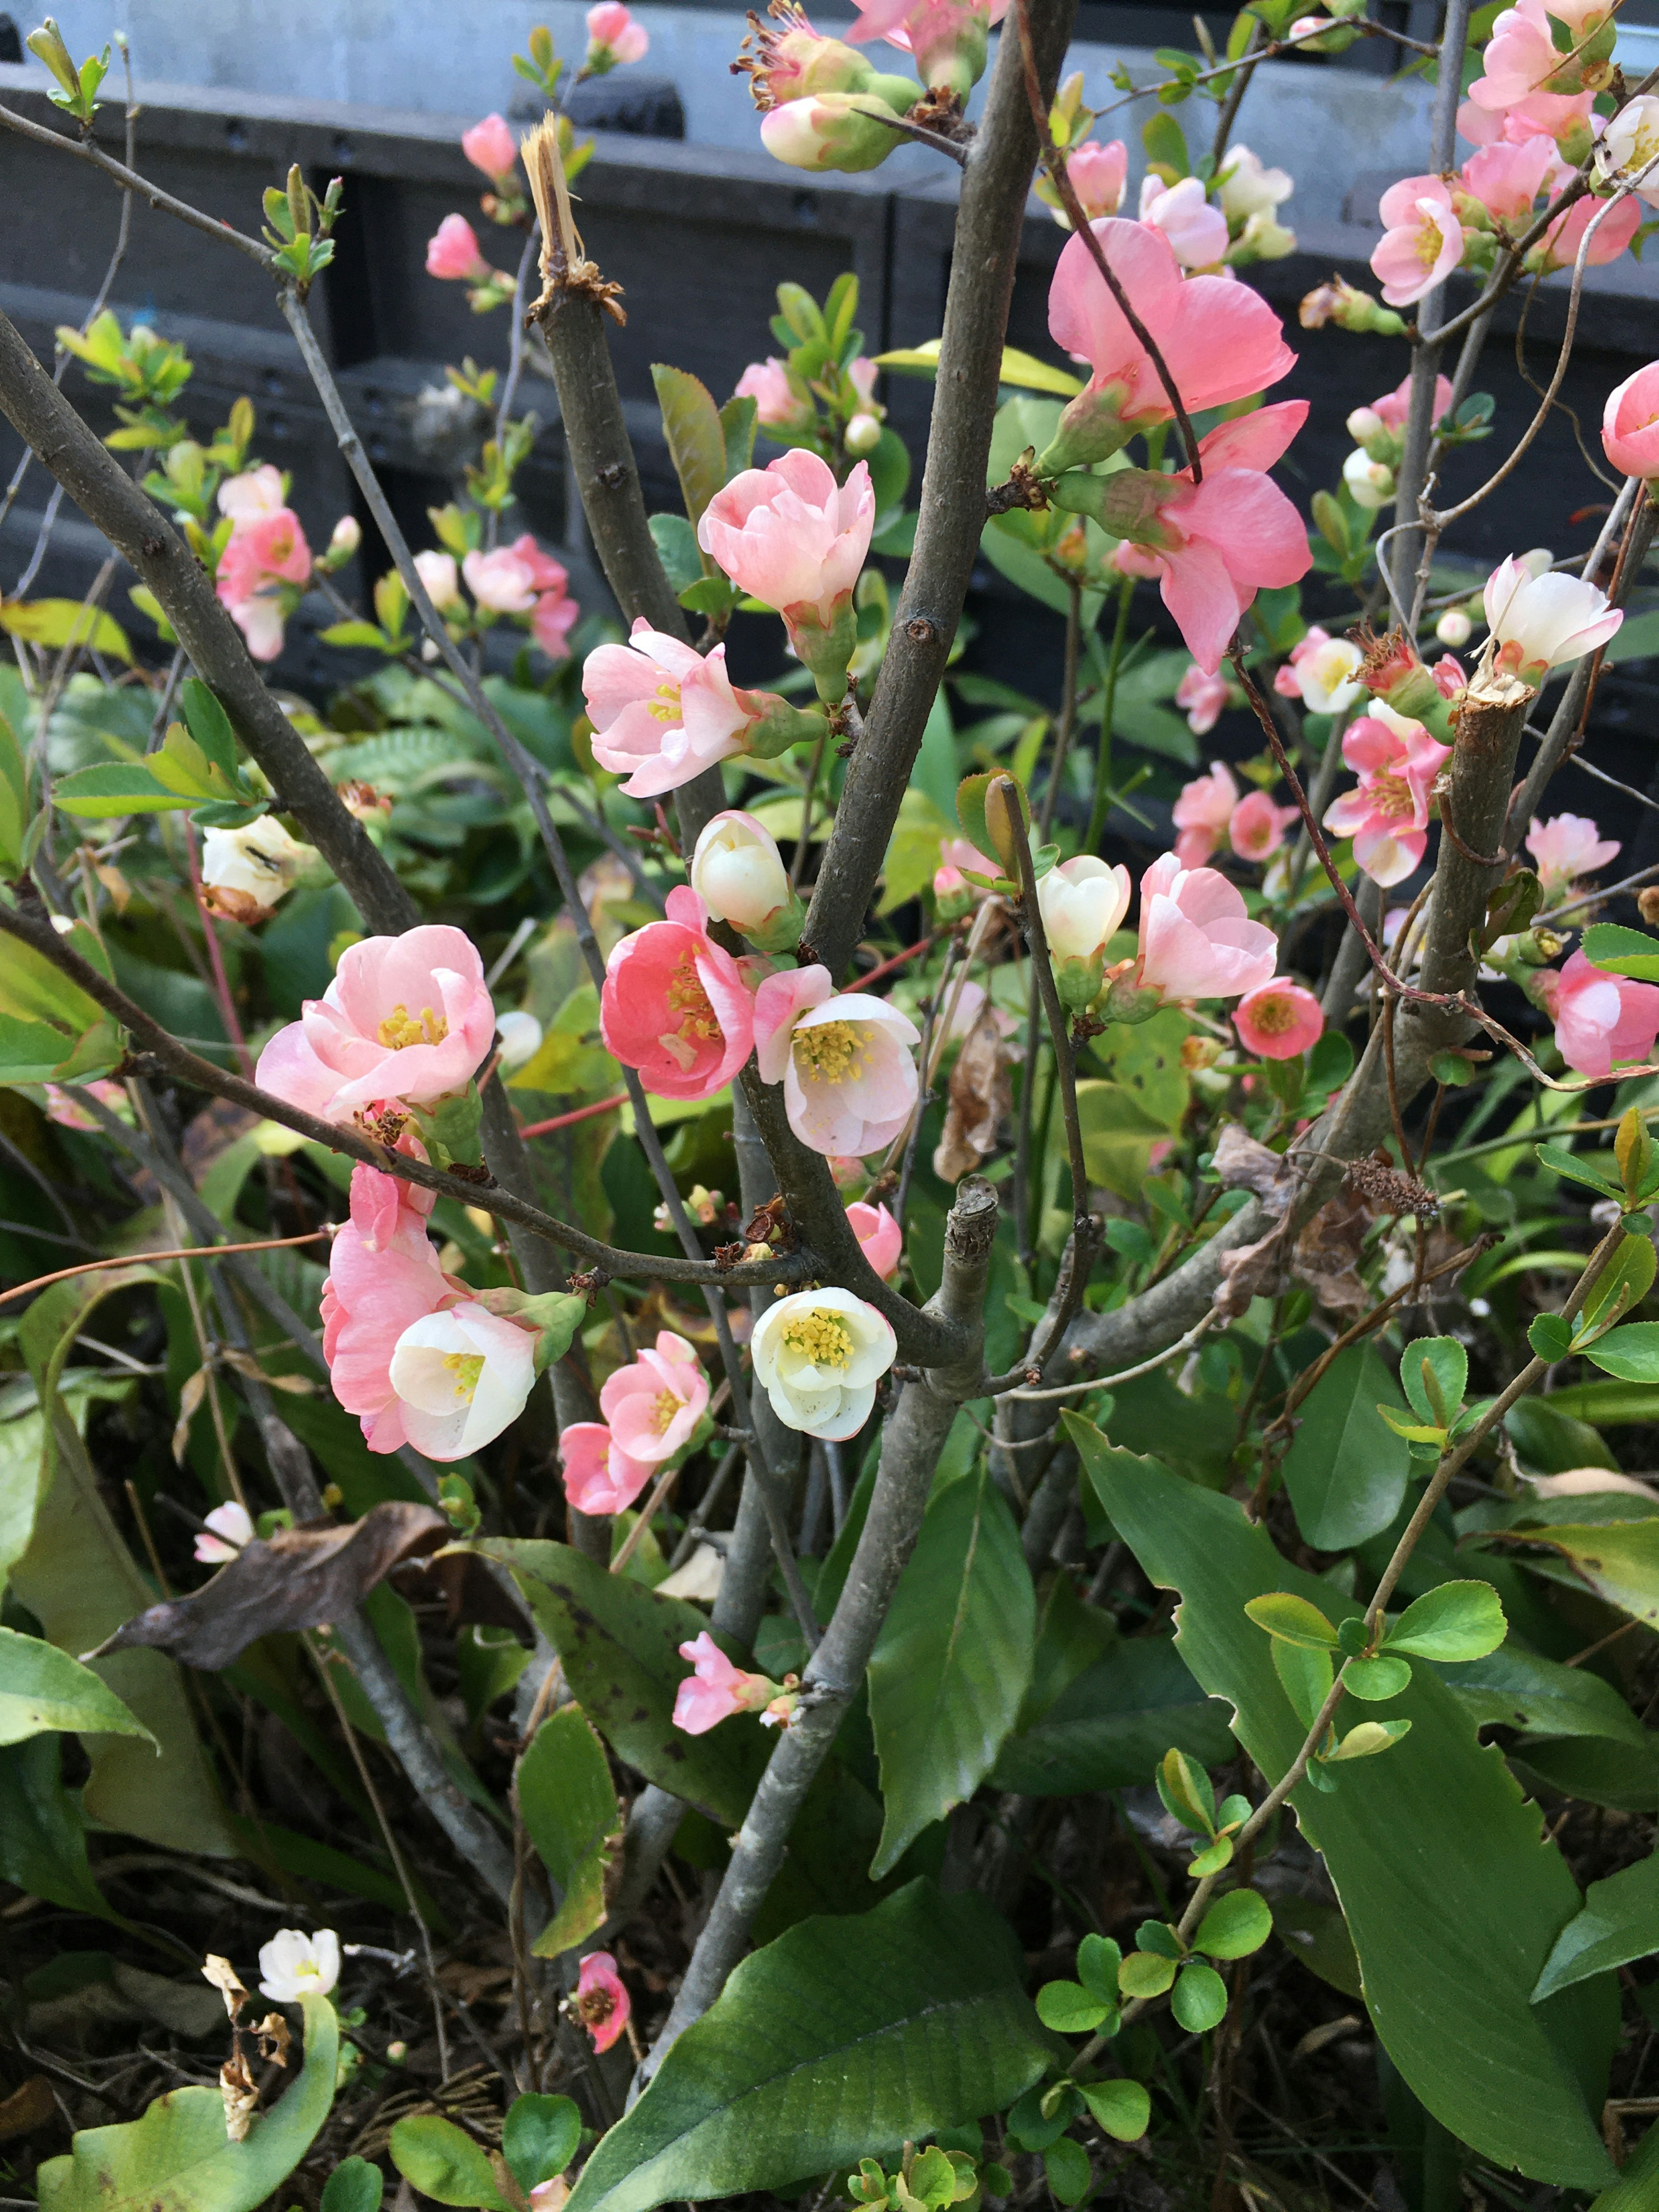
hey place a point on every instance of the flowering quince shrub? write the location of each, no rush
(873, 1415)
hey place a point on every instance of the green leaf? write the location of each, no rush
(1618, 1921)
(570, 1812)
(58, 622)
(675, 541)
(1453, 1897)
(1022, 370)
(1559, 1161)
(209, 724)
(846, 2032)
(1551, 1337)
(1370, 1738)
(1376, 1680)
(1346, 1470)
(1622, 952)
(1619, 1560)
(43, 1844)
(1638, 2177)
(738, 423)
(357, 633)
(1070, 2009)
(1109, 1727)
(435, 2156)
(697, 437)
(1631, 1352)
(354, 2186)
(952, 1661)
(1143, 1059)
(1235, 1925)
(619, 1646)
(1122, 2109)
(1293, 1619)
(1621, 1285)
(1434, 1373)
(42, 1687)
(1066, 2163)
(1453, 1621)
(1097, 1961)
(178, 2158)
(1198, 2000)
(1118, 1136)
(1517, 1689)
(1187, 1794)
(1146, 1974)
(120, 787)
(1305, 1675)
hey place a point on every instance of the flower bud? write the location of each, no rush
(1005, 817)
(1454, 628)
(862, 434)
(1363, 424)
(738, 873)
(1370, 483)
(522, 1038)
(346, 538)
(837, 130)
(1350, 309)
(952, 895)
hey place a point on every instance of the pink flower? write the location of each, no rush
(453, 251)
(947, 38)
(64, 1108)
(1630, 424)
(601, 2003)
(405, 1018)
(551, 622)
(879, 1235)
(849, 1082)
(1540, 622)
(1205, 807)
(1278, 1020)
(778, 405)
(267, 549)
(1616, 224)
(1507, 178)
(1388, 814)
(1322, 672)
(1448, 676)
(613, 38)
(1422, 240)
(1182, 211)
(229, 1528)
(598, 1476)
(662, 710)
(959, 853)
(1522, 58)
(1098, 175)
(383, 1276)
(715, 1689)
(502, 581)
(790, 536)
(1220, 339)
(654, 1404)
(1391, 409)
(1599, 1019)
(442, 579)
(674, 1004)
(1565, 847)
(1203, 697)
(1256, 827)
(257, 491)
(1196, 941)
(490, 146)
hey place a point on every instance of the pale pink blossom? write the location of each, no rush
(1196, 940)
(952, 892)
(1630, 424)
(1322, 672)
(1600, 1020)
(778, 405)
(1616, 223)
(715, 1689)
(405, 1018)
(1539, 623)
(1220, 339)
(1278, 1020)
(961, 852)
(662, 710)
(879, 1236)
(1387, 814)
(1097, 174)
(453, 251)
(614, 36)
(598, 1476)
(1507, 178)
(654, 1403)
(490, 146)
(601, 2003)
(791, 536)
(1565, 847)
(441, 577)
(255, 492)
(228, 1528)
(674, 1004)
(1256, 827)
(502, 581)
(1197, 231)
(64, 1105)
(946, 38)
(1203, 810)
(1422, 240)
(383, 1277)
(1203, 698)
(1521, 57)
(1448, 676)
(849, 1080)
(1391, 409)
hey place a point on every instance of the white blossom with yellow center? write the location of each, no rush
(294, 1965)
(819, 1355)
(461, 1377)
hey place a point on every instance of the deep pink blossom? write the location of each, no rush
(1565, 847)
(405, 1018)
(265, 551)
(1279, 1019)
(663, 712)
(453, 251)
(879, 1236)
(598, 1476)
(1422, 239)
(1600, 1020)
(715, 1689)
(849, 1080)
(674, 1004)
(1630, 424)
(654, 1403)
(1616, 224)
(490, 146)
(1256, 827)
(1387, 814)
(601, 2003)
(1203, 698)
(1196, 940)
(1202, 813)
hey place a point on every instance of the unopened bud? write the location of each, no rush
(1350, 309)
(1363, 424)
(862, 435)
(1198, 1052)
(347, 536)
(1005, 817)
(1454, 627)
(1647, 903)
(952, 895)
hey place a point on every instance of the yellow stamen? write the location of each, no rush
(663, 1407)
(1273, 1017)
(401, 1029)
(1390, 795)
(467, 1367)
(820, 1336)
(834, 1051)
(688, 999)
(665, 706)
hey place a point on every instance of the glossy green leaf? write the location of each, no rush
(697, 437)
(952, 1662)
(1293, 1619)
(1517, 1689)
(1559, 1161)
(1550, 1336)
(1618, 1290)
(1453, 1621)
(675, 541)
(1111, 1725)
(1198, 2000)
(1631, 1352)
(1376, 1680)
(1187, 1794)
(1122, 2109)
(43, 1842)
(1618, 1559)
(739, 422)
(354, 2186)
(1622, 952)
(845, 2031)
(444, 2163)
(1434, 1373)
(1368, 1740)
(1346, 1470)
(1235, 1925)
(1453, 1897)
(1618, 1921)
(568, 1802)
(177, 2157)
(1146, 1974)
(117, 787)
(1097, 1961)
(42, 1687)
(1070, 2009)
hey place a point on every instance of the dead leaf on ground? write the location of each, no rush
(28, 2108)
(981, 1099)
(296, 1578)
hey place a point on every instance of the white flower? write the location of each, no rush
(437, 572)
(294, 1965)
(1264, 240)
(461, 1378)
(346, 538)
(1629, 141)
(737, 872)
(818, 1356)
(522, 1038)
(231, 1528)
(1082, 902)
(1538, 622)
(1363, 424)
(1454, 628)
(250, 868)
(1326, 676)
(1370, 483)
(1247, 189)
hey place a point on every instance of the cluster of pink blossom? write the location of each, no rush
(265, 563)
(652, 1408)
(1211, 809)
(519, 581)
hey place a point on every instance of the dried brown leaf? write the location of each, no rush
(981, 1099)
(1327, 1252)
(275, 2036)
(190, 1399)
(226, 1979)
(241, 2096)
(1242, 1163)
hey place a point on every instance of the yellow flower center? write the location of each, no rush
(665, 706)
(467, 1367)
(1390, 795)
(663, 1407)
(1273, 1016)
(697, 1023)
(401, 1029)
(822, 1337)
(833, 1052)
